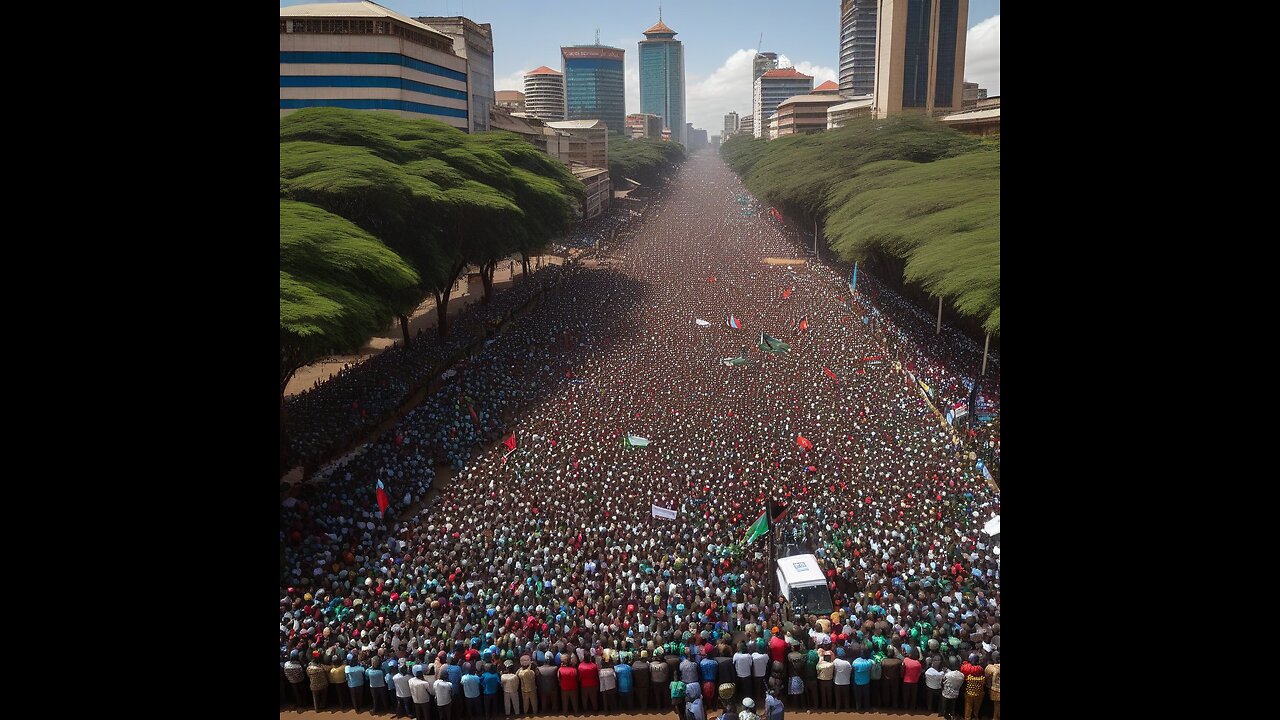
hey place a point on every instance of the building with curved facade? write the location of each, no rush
(544, 94)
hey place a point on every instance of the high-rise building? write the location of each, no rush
(857, 47)
(697, 137)
(920, 56)
(662, 78)
(972, 94)
(763, 63)
(362, 56)
(544, 94)
(473, 41)
(747, 125)
(644, 125)
(594, 85)
(730, 124)
(773, 87)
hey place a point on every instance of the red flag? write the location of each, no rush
(474, 417)
(786, 294)
(383, 501)
(830, 374)
(711, 279)
(510, 442)
(804, 442)
(804, 324)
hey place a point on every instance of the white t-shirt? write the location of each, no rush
(742, 664)
(418, 690)
(760, 664)
(444, 692)
(933, 678)
(402, 686)
(844, 671)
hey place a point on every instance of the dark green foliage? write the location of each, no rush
(909, 188)
(644, 160)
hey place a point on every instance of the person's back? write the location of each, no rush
(952, 684)
(688, 671)
(724, 668)
(622, 672)
(588, 674)
(891, 669)
(658, 671)
(843, 671)
(443, 691)
(355, 675)
(490, 682)
(528, 679)
(548, 678)
(773, 707)
(401, 681)
(640, 674)
(568, 678)
(418, 690)
(693, 711)
(338, 675)
(471, 685)
(742, 664)
(862, 670)
(777, 649)
(319, 677)
(911, 670)
(759, 664)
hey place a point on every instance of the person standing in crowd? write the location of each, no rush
(355, 681)
(296, 674)
(974, 683)
(826, 678)
(568, 675)
(862, 681)
(318, 674)
(549, 687)
(795, 683)
(742, 670)
(748, 710)
(777, 647)
(510, 689)
(759, 669)
(404, 698)
(608, 686)
(626, 684)
(490, 686)
(707, 672)
(444, 697)
(952, 686)
(418, 693)
(842, 676)
(660, 674)
(811, 676)
(992, 673)
(589, 684)
(471, 691)
(678, 697)
(377, 684)
(694, 709)
(338, 681)
(911, 671)
(933, 685)
(640, 678)
(528, 686)
(879, 698)
(773, 706)
(689, 669)
(891, 672)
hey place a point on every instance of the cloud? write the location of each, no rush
(631, 81)
(819, 73)
(982, 55)
(727, 89)
(514, 81)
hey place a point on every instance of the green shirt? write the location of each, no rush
(677, 689)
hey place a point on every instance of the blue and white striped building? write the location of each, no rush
(363, 56)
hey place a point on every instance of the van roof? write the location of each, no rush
(799, 570)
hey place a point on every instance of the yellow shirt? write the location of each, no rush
(528, 679)
(338, 675)
(993, 680)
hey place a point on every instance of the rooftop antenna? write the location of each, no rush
(659, 12)
(760, 42)
(597, 36)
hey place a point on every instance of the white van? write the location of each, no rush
(801, 581)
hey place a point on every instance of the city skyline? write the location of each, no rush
(719, 41)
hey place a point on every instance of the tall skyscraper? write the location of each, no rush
(772, 88)
(544, 94)
(763, 63)
(920, 56)
(857, 47)
(594, 85)
(662, 78)
(473, 41)
(730, 124)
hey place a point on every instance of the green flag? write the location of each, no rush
(636, 441)
(768, 343)
(758, 528)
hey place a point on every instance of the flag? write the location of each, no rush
(777, 511)
(732, 361)
(733, 322)
(510, 442)
(383, 500)
(758, 529)
(711, 279)
(768, 343)
(475, 419)
(701, 322)
(853, 279)
(659, 511)
(803, 442)
(830, 374)
(786, 294)
(636, 441)
(804, 324)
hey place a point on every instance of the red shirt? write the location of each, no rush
(911, 669)
(589, 672)
(568, 678)
(968, 669)
(778, 649)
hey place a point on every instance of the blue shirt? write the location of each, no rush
(774, 707)
(454, 673)
(471, 686)
(862, 671)
(695, 711)
(376, 678)
(707, 667)
(623, 672)
(355, 676)
(490, 682)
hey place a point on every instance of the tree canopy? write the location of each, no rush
(644, 160)
(907, 187)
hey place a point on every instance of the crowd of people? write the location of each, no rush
(549, 560)
(361, 395)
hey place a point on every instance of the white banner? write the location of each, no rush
(662, 512)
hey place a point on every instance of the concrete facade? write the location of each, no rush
(474, 42)
(772, 88)
(599, 188)
(363, 56)
(920, 56)
(731, 122)
(587, 142)
(840, 115)
(805, 113)
(858, 47)
(644, 125)
(544, 93)
(512, 100)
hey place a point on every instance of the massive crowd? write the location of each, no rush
(541, 573)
